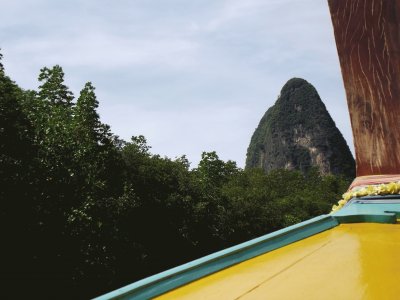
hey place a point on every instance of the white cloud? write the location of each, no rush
(108, 51)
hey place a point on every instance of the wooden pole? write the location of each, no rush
(367, 34)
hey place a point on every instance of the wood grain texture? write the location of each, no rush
(367, 34)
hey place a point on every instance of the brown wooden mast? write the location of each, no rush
(367, 34)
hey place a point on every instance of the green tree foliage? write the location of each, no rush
(18, 173)
(84, 212)
(165, 192)
(53, 88)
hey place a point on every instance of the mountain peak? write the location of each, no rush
(297, 132)
(294, 83)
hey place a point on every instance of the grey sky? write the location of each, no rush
(190, 75)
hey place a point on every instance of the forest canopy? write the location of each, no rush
(84, 212)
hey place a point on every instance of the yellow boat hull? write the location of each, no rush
(350, 261)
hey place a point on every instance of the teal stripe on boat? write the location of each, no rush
(357, 211)
(158, 284)
(389, 218)
(365, 211)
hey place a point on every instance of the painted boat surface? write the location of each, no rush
(351, 254)
(350, 261)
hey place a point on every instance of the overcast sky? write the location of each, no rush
(190, 75)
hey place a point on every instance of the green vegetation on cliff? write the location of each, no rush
(298, 133)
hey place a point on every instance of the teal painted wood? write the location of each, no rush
(376, 218)
(368, 211)
(357, 211)
(158, 284)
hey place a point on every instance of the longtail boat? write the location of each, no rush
(353, 252)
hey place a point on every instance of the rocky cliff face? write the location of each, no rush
(298, 133)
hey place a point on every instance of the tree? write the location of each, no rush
(53, 88)
(95, 156)
(1, 65)
(19, 188)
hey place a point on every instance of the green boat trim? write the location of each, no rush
(370, 210)
(358, 210)
(173, 278)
